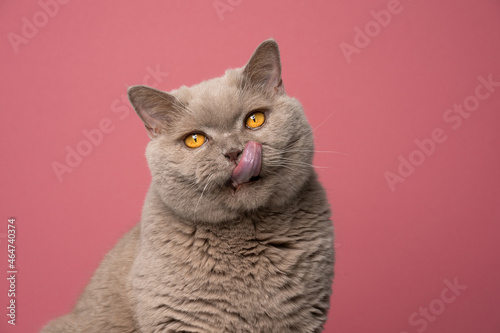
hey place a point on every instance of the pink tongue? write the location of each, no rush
(249, 165)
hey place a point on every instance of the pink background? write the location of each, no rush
(395, 246)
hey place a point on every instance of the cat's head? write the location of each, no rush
(229, 145)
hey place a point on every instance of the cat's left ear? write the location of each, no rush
(157, 109)
(263, 70)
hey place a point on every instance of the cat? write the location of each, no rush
(235, 234)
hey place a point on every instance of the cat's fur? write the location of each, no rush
(206, 257)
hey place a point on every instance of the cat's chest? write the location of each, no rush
(260, 253)
(235, 275)
(242, 259)
(246, 276)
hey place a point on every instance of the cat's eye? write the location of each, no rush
(255, 120)
(194, 140)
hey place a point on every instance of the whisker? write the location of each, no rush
(317, 151)
(321, 124)
(201, 196)
(304, 150)
(296, 163)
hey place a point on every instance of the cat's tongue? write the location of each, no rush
(249, 165)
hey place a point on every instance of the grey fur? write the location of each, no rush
(205, 258)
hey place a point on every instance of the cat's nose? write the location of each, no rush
(233, 155)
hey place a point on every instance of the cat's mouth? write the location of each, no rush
(248, 169)
(235, 186)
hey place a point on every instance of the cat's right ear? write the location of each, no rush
(156, 108)
(263, 70)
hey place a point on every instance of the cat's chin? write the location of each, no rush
(235, 188)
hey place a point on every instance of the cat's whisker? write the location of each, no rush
(289, 159)
(296, 163)
(305, 150)
(317, 151)
(286, 167)
(282, 158)
(311, 166)
(194, 185)
(322, 123)
(293, 162)
(201, 196)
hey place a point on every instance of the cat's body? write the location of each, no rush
(235, 234)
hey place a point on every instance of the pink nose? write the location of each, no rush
(233, 155)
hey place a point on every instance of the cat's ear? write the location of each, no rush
(263, 70)
(156, 108)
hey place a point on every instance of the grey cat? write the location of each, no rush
(235, 234)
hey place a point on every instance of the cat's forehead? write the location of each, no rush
(217, 102)
(217, 96)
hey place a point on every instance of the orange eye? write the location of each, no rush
(194, 140)
(256, 120)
